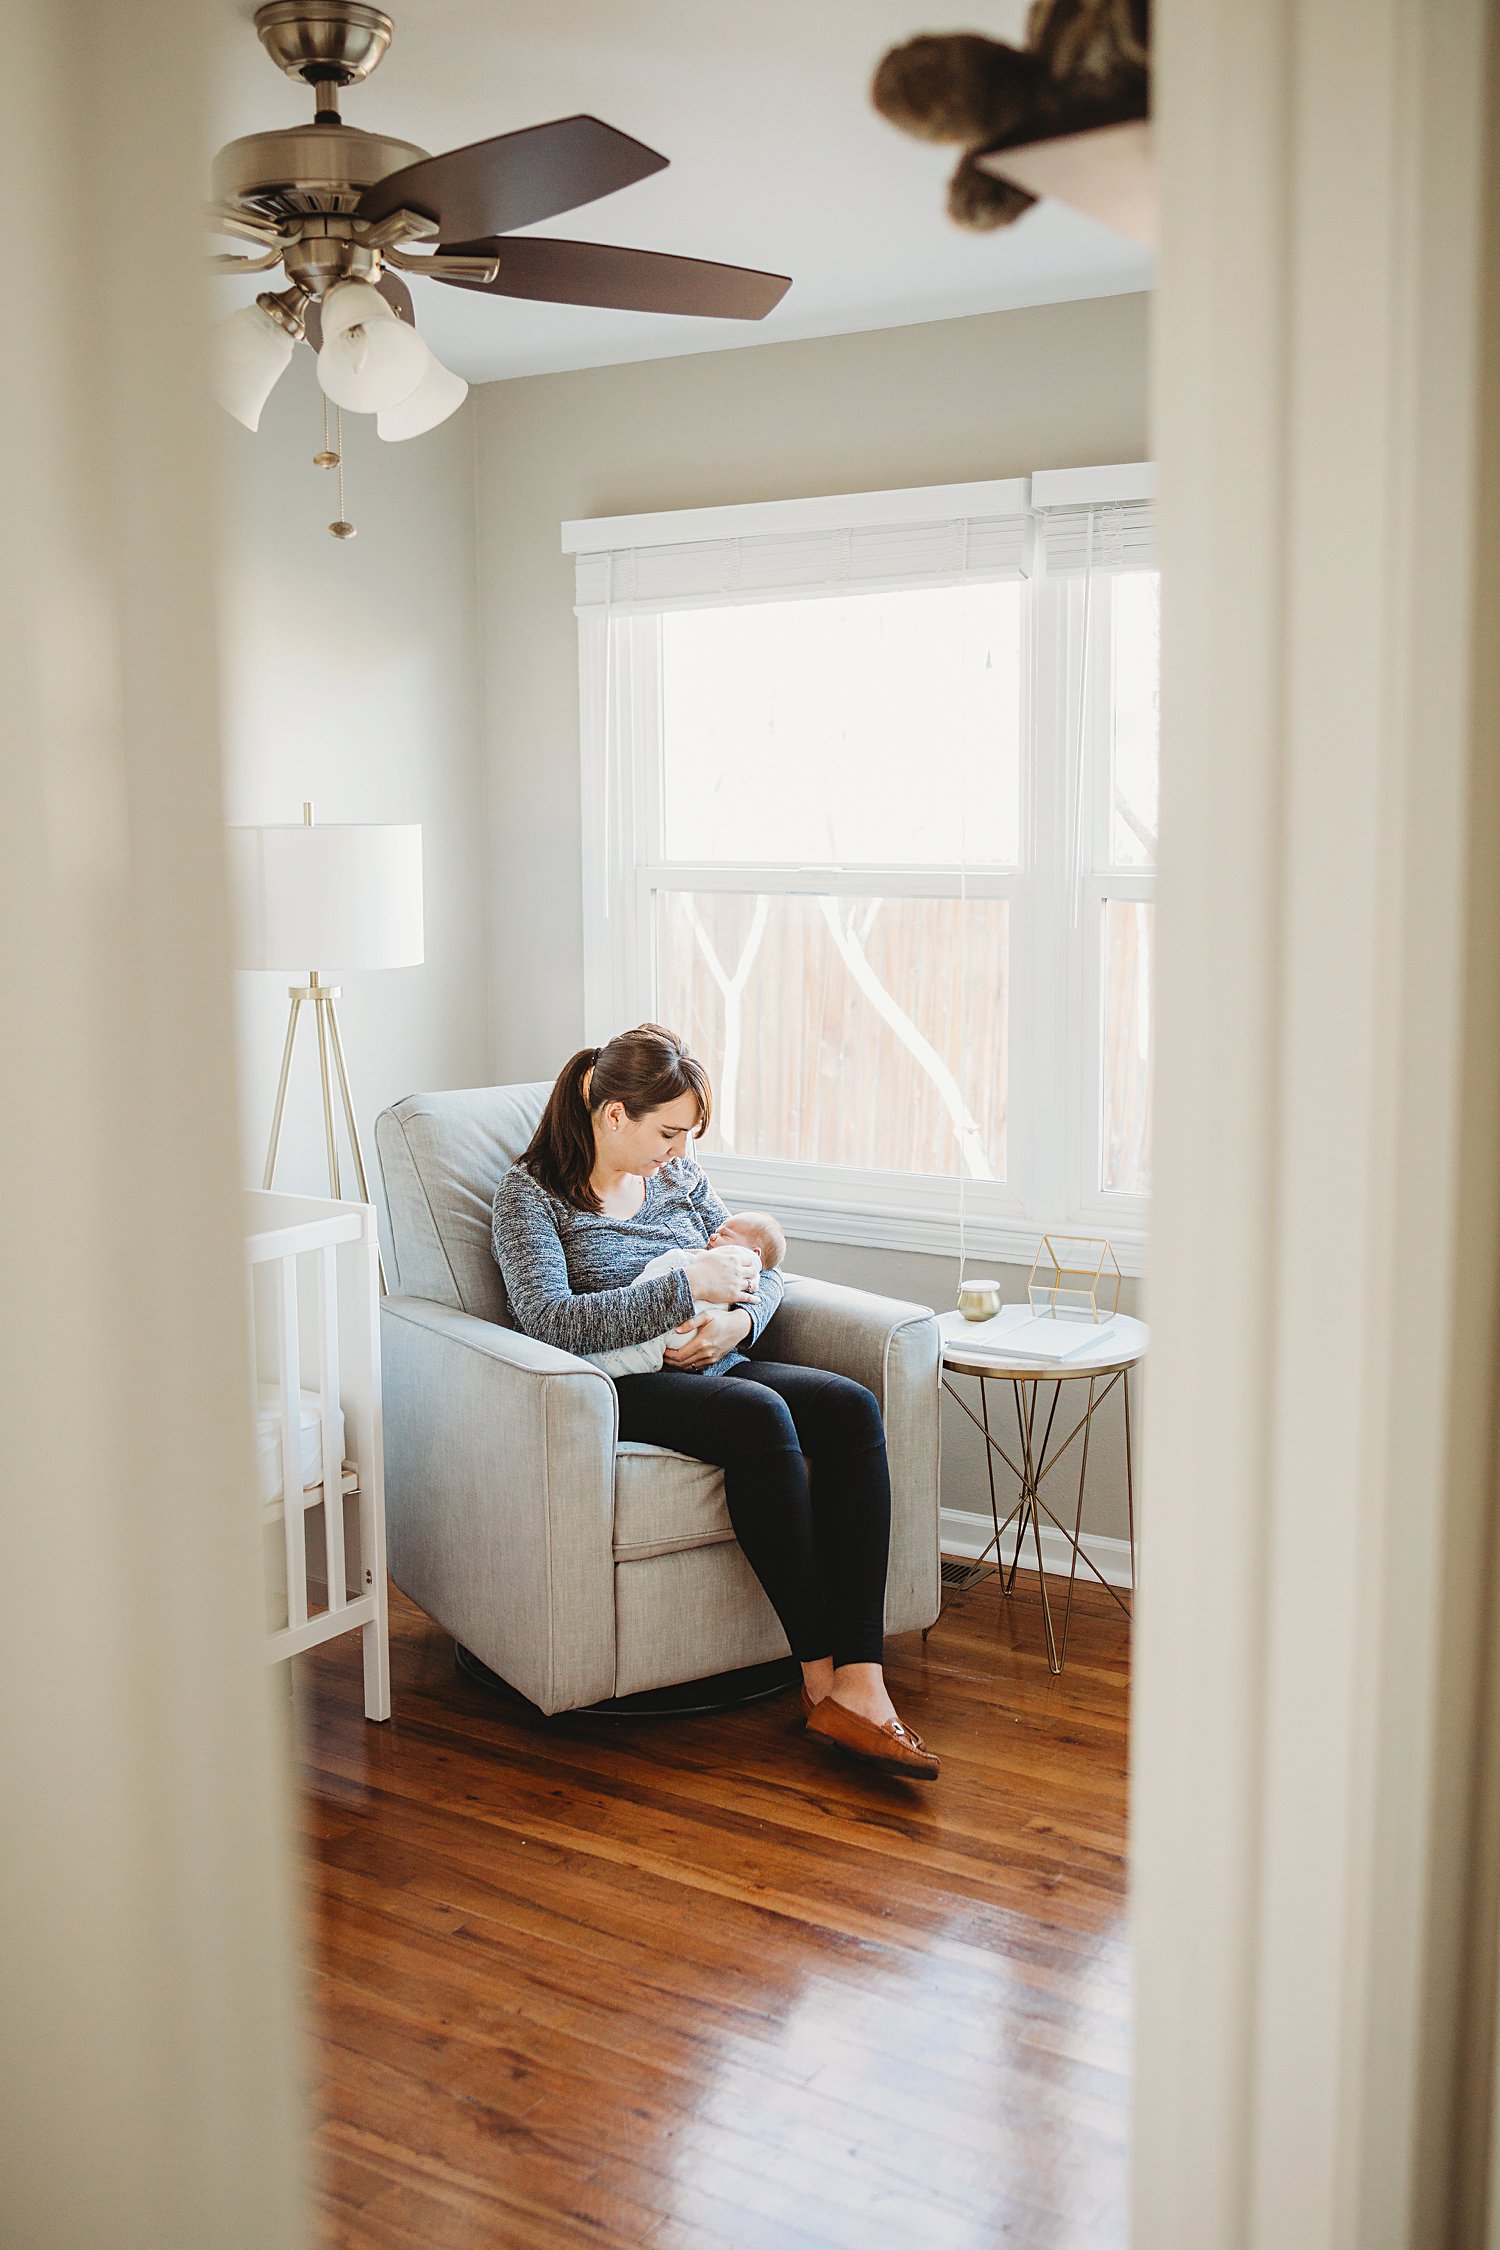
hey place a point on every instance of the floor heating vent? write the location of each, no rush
(959, 1571)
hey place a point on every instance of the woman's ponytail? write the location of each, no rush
(643, 1069)
(561, 1152)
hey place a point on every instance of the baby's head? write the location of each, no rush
(753, 1230)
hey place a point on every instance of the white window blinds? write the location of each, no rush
(941, 535)
(1105, 536)
(1110, 536)
(783, 566)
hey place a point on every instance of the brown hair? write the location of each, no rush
(643, 1069)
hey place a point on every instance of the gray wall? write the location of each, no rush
(1052, 386)
(351, 677)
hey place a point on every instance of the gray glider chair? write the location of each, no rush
(575, 1567)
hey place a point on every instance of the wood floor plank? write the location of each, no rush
(880, 2009)
(576, 2080)
(696, 1985)
(778, 1868)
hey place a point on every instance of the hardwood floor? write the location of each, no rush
(694, 1984)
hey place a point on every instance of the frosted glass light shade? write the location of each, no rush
(327, 897)
(367, 368)
(439, 394)
(349, 302)
(370, 359)
(251, 354)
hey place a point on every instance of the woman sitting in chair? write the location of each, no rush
(607, 1188)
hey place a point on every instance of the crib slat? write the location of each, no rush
(346, 1382)
(289, 1348)
(332, 1454)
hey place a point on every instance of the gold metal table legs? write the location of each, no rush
(1037, 1462)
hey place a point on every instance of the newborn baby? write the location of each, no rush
(746, 1230)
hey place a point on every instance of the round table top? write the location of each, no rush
(977, 1347)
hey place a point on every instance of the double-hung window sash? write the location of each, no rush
(842, 791)
(1098, 620)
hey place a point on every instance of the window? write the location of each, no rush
(870, 816)
(1123, 880)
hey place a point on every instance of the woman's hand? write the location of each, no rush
(707, 1337)
(725, 1276)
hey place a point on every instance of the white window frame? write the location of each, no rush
(1102, 882)
(1054, 968)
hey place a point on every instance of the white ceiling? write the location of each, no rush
(777, 160)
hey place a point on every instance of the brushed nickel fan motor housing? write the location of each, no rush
(305, 168)
(324, 41)
(324, 167)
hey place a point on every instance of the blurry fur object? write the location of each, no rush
(1085, 62)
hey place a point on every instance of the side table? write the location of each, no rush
(977, 1348)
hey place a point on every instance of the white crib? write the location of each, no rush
(315, 1342)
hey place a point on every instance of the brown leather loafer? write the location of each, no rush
(808, 1705)
(893, 1747)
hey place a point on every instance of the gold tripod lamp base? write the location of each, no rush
(322, 999)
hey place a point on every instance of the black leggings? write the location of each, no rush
(805, 1478)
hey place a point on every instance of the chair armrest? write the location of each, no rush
(895, 1349)
(499, 1474)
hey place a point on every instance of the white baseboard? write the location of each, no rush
(969, 1535)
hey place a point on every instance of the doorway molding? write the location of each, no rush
(1314, 1804)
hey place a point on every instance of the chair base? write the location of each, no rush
(724, 1692)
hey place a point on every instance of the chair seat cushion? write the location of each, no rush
(665, 1502)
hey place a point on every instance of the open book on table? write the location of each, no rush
(1017, 1337)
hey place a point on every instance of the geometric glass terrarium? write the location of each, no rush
(1074, 1277)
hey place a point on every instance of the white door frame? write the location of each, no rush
(1315, 1967)
(152, 2083)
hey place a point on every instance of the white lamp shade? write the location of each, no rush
(251, 354)
(328, 897)
(370, 359)
(439, 394)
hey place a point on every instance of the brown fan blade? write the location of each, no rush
(492, 186)
(391, 287)
(600, 273)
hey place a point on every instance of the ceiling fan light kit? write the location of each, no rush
(339, 210)
(252, 351)
(369, 359)
(439, 394)
(351, 304)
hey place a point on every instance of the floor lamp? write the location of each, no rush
(351, 895)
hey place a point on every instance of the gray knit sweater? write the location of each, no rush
(570, 1274)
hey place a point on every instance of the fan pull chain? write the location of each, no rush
(342, 528)
(327, 459)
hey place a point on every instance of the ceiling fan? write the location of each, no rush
(338, 209)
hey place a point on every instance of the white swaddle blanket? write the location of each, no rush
(646, 1358)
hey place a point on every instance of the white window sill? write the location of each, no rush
(989, 1241)
(924, 1221)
